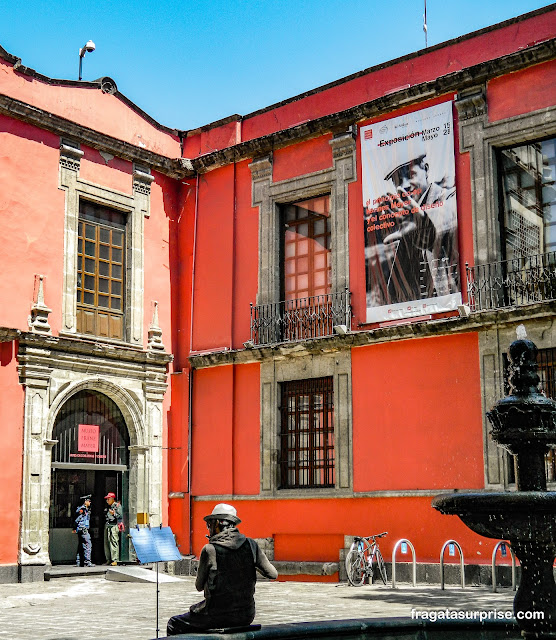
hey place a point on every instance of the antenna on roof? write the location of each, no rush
(425, 24)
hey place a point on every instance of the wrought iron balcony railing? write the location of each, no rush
(301, 319)
(509, 283)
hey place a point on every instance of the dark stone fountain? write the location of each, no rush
(524, 423)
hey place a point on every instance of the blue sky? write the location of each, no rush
(191, 62)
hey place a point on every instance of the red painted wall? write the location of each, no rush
(523, 91)
(404, 434)
(246, 441)
(212, 431)
(160, 260)
(403, 439)
(220, 137)
(113, 173)
(178, 459)
(33, 219)
(225, 440)
(213, 261)
(246, 256)
(305, 157)
(312, 547)
(11, 419)
(90, 107)
(181, 275)
(330, 519)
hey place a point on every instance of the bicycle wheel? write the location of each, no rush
(355, 567)
(379, 564)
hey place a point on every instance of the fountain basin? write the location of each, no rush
(385, 628)
(526, 516)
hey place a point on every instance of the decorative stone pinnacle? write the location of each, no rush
(38, 320)
(155, 332)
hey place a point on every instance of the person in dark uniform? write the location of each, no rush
(113, 515)
(82, 523)
(227, 575)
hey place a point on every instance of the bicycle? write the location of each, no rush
(364, 560)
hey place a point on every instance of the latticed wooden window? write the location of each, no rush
(307, 434)
(100, 271)
(307, 264)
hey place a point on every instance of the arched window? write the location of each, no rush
(90, 429)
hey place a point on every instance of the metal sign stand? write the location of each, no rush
(155, 545)
(157, 595)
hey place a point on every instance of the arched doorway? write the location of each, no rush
(91, 456)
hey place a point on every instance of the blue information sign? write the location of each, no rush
(503, 549)
(404, 547)
(154, 545)
(451, 549)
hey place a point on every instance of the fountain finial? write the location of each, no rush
(523, 377)
(520, 332)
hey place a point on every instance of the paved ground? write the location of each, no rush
(93, 608)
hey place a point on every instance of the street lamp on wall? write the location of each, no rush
(90, 47)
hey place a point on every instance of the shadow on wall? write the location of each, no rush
(7, 352)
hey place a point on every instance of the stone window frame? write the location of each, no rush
(137, 206)
(336, 365)
(268, 195)
(483, 139)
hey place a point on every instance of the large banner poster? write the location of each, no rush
(409, 205)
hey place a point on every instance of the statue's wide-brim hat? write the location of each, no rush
(223, 512)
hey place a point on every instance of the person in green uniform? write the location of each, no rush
(114, 516)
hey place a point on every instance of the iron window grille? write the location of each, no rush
(90, 408)
(307, 434)
(300, 319)
(514, 282)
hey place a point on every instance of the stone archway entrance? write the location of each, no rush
(91, 456)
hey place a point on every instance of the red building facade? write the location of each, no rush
(289, 394)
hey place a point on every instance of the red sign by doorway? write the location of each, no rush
(87, 439)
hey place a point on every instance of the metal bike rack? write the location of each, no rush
(498, 545)
(414, 562)
(460, 562)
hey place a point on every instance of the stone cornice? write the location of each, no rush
(334, 123)
(338, 122)
(175, 168)
(476, 322)
(7, 334)
(80, 349)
